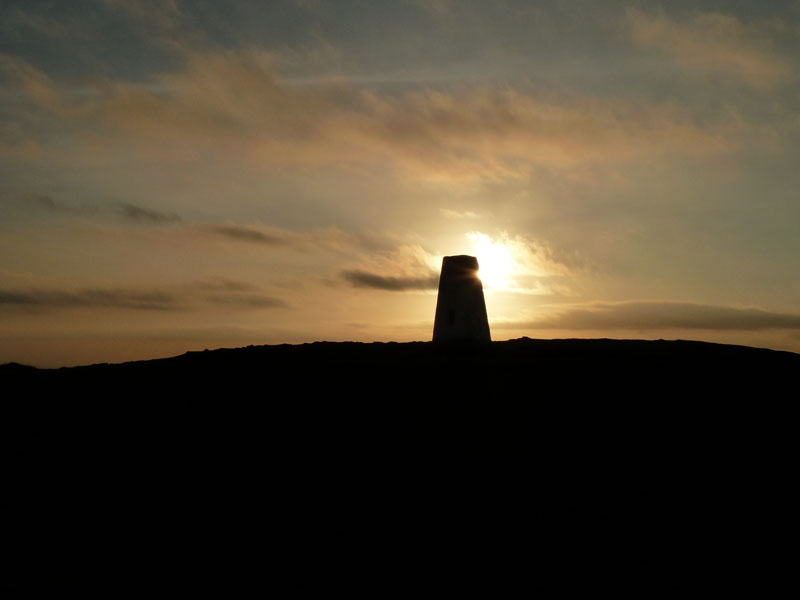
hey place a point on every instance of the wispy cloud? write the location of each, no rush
(161, 18)
(713, 43)
(439, 8)
(147, 215)
(448, 213)
(43, 202)
(34, 83)
(40, 24)
(658, 315)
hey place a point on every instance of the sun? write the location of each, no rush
(494, 260)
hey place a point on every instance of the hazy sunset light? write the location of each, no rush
(181, 175)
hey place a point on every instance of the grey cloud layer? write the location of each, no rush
(716, 43)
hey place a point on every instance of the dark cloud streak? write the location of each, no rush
(43, 202)
(147, 216)
(89, 298)
(219, 291)
(131, 212)
(248, 301)
(221, 284)
(364, 279)
(245, 234)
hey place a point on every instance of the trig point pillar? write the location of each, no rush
(460, 308)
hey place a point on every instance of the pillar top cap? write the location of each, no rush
(461, 260)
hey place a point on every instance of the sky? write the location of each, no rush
(180, 175)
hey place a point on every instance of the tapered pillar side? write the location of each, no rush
(460, 306)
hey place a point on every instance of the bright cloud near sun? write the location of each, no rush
(494, 259)
(509, 263)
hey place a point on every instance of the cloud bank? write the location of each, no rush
(232, 101)
(655, 315)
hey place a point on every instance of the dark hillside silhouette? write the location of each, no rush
(212, 469)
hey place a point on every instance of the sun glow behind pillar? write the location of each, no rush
(496, 266)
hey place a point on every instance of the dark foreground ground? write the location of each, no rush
(368, 468)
